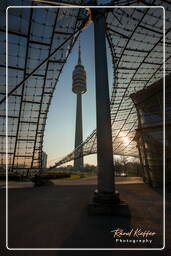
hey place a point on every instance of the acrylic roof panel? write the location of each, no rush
(33, 34)
(135, 37)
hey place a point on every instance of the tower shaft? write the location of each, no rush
(79, 88)
(78, 163)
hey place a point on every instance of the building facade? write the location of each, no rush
(152, 133)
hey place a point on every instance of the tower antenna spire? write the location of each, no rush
(79, 53)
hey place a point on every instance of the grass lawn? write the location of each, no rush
(79, 176)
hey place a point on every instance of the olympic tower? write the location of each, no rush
(79, 88)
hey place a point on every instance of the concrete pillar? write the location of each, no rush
(104, 132)
(106, 200)
(141, 159)
(146, 167)
(78, 163)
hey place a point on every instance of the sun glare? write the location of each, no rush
(126, 140)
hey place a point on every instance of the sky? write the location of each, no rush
(60, 127)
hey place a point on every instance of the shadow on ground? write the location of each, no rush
(56, 217)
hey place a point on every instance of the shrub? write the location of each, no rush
(11, 176)
(56, 175)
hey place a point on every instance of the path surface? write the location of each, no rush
(93, 181)
(82, 181)
(56, 217)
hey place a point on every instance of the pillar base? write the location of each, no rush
(108, 204)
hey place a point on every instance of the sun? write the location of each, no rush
(126, 140)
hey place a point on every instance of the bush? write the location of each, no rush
(56, 175)
(11, 176)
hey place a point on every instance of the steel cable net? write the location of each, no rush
(33, 34)
(136, 42)
(135, 38)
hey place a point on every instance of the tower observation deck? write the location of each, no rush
(79, 88)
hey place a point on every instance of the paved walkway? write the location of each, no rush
(16, 184)
(82, 181)
(56, 217)
(93, 181)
